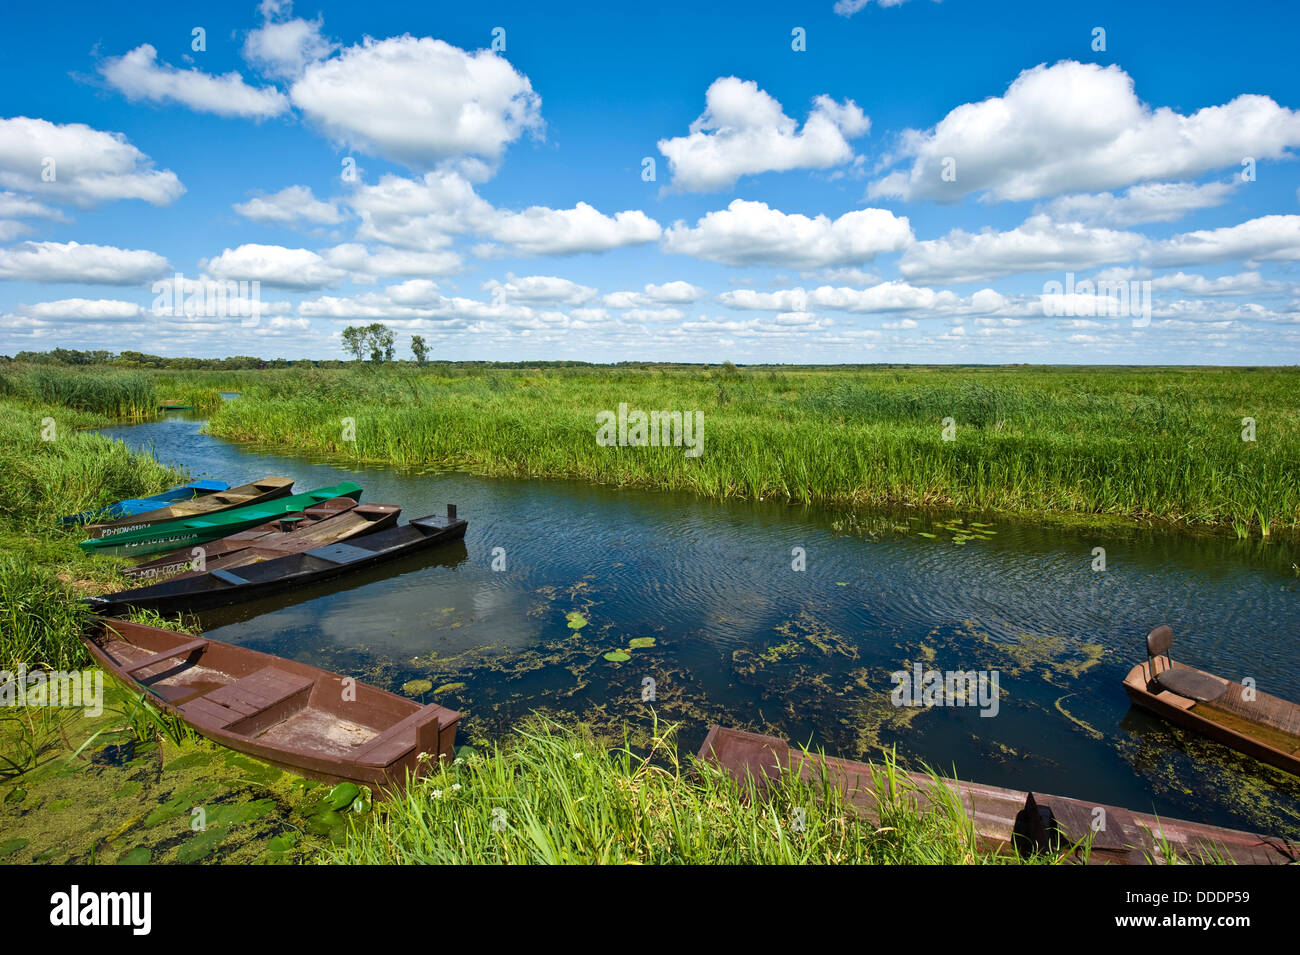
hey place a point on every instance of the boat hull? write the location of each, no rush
(141, 505)
(178, 561)
(188, 532)
(222, 588)
(1181, 711)
(291, 714)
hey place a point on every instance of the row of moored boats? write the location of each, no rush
(207, 544)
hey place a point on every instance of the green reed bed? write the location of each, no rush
(106, 391)
(1124, 442)
(49, 468)
(555, 795)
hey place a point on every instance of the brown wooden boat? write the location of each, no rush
(185, 558)
(1003, 819)
(267, 489)
(1249, 720)
(287, 713)
(352, 523)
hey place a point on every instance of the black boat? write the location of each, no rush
(221, 587)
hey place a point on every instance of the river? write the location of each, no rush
(718, 626)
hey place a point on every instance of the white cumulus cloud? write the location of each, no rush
(1079, 127)
(83, 264)
(139, 76)
(290, 206)
(752, 233)
(1037, 244)
(744, 131)
(74, 163)
(419, 101)
(276, 266)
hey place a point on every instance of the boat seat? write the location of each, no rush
(180, 650)
(420, 729)
(258, 691)
(1192, 684)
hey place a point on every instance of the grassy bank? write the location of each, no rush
(1129, 443)
(555, 795)
(49, 468)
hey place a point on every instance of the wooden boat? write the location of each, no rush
(1249, 720)
(1004, 820)
(199, 529)
(217, 588)
(184, 558)
(139, 505)
(288, 713)
(267, 489)
(357, 521)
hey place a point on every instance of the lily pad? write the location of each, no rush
(10, 846)
(341, 795)
(636, 643)
(448, 687)
(416, 687)
(188, 760)
(140, 855)
(201, 845)
(283, 843)
(576, 620)
(617, 656)
(924, 534)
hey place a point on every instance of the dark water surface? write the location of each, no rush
(739, 637)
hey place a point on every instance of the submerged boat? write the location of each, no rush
(201, 528)
(1249, 720)
(1002, 820)
(218, 587)
(291, 714)
(187, 558)
(266, 489)
(140, 505)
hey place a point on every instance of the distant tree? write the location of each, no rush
(354, 341)
(419, 349)
(379, 341)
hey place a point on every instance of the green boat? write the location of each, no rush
(190, 531)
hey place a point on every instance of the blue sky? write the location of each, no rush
(907, 188)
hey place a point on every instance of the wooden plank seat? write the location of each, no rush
(398, 739)
(233, 579)
(247, 697)
(180, 650)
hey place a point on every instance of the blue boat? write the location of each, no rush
(139, 505)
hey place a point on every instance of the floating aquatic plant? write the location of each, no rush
(417, 687)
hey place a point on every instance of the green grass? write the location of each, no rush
(1126, 443)
(555, 795)
(43, 573)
